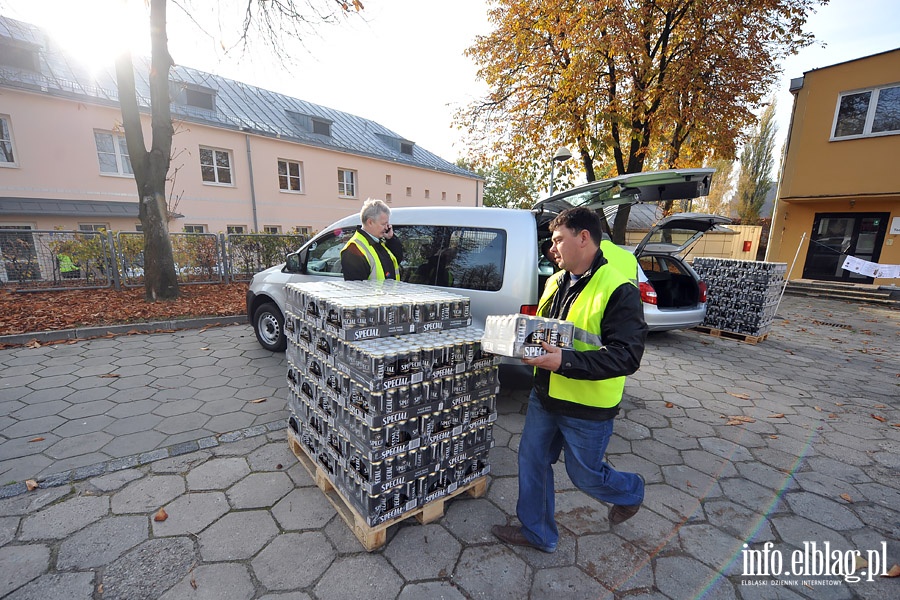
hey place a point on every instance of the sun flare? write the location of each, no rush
(94, 32)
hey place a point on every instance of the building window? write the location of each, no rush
(427, 194)
(868, 113)
(290, 176)
(459, 197)
(7, 154)
(388, 198)
(93, 226)
(321, 127)
(406, 148)
(409, 192)
(112, 153)
(200, 98)
(302, 229)
(444, 196)
(346, 183)
(272, 229)
(195, 228)
(215, 166)
(236, 229)
(19, 56)
(138, 227)
(387, 180)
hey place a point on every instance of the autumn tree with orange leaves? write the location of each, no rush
(627, 84)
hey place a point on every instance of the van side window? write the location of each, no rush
(325, 258)
(464, 258)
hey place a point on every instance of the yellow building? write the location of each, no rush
(840, 182)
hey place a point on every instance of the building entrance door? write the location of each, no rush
(835, 236)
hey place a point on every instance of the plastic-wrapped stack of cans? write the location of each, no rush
(390, 391)
(520, 336)
(742, 294)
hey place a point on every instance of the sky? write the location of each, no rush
(401, 62)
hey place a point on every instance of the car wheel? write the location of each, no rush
(268, 323)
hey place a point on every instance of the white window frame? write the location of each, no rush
(216, 168)
(7, 125)
(194, 228)
(347, 184)
(870, 114)
(120, 153)
(236, 229)
(299, 177)
(303, 229)
(93, 226)
(276, 229)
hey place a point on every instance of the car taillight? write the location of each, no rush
(528, 309)
(648, 294)
(702, 286)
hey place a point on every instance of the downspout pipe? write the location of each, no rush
(252, 186)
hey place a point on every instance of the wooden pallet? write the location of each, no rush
(731, 335)
(374, 537)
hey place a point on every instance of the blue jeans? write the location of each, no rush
(585, 442)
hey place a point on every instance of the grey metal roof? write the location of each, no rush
(641, 218)
(237, 105)
(67, 208)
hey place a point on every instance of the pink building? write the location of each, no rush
(244, 159)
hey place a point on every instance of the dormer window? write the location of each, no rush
(321, 127)
(309, 124)
(19, 55)
(396, 144)
(195, 96)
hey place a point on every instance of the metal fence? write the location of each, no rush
(32, 260)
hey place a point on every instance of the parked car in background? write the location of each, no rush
(673, 294)
(492, 255)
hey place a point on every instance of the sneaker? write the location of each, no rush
(620, 513)
(512, 535)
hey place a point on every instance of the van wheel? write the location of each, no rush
(268, 323)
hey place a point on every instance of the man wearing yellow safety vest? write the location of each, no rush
(374, 252)
(576, 393)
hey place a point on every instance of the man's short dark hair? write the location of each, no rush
(577, 219)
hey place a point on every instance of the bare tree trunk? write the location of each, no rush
(150, 168)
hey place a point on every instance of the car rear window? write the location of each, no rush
(469, 258)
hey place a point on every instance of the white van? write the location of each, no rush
(491, 255)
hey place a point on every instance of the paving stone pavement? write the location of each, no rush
(791, 447)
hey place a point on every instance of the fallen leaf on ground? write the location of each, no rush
(110, 375)
(161, 515)
(879, 418)
(818, 408)
(33, 344)
(880, 406)
(847, 497)
(773, 437)
(859, 563)
(741, 396)
(257, 401)
(739, 420)
(832, 416)
(669, 405)
(31, 485)
(37, 439)
(838, 403)
(777, 416)
(894, 572)
(204, 348)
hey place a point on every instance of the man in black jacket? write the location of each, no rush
(373, 252)
(577, 392)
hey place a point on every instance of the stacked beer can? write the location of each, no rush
(742, 294)
(390, 392)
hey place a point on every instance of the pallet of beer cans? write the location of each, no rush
(520, 335)
(391, 393)
(742, 295)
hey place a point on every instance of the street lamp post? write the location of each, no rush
(562, 154)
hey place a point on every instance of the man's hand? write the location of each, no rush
(550, 361)
(388, 232)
